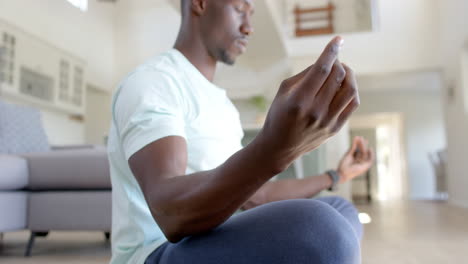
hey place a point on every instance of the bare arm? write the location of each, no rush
(190, 204)
(352, 164)
(308, 109)
(288, 189)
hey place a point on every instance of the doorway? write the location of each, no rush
(98, 115)
(464, 78)
(387, 179)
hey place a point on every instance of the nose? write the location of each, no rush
(246, 27)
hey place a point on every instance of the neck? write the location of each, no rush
(193, 49)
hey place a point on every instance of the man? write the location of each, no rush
(178, 170)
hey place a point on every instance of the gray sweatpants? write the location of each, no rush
(316, 231)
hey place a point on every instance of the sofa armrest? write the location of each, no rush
(13, 172)
(69, 170)
(77, 147)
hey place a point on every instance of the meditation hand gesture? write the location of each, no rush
(309, 108)
(356, 161)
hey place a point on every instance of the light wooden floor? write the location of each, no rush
(416, 233)
(400, 233)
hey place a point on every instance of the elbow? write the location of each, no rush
(168, 221)
(174, 237)
(171, 225)
(173, 232)
(177, 228)
(176, 222)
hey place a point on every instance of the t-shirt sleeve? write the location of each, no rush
(148, 107)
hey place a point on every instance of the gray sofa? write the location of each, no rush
(46, 189)
(13, 196)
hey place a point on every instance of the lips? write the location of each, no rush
(242, 44)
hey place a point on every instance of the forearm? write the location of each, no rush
(191, 204)
(289, 189)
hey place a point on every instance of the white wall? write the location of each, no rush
(464, 78)
(454, 38)
(423, 129)
(143, 28)
(86, 35)
(242, 82)
(61, 130)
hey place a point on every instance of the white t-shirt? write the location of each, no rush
(166, 96)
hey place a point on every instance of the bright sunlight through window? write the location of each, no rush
(81, 4)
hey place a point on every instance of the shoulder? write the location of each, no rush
(157, 71)
(159, 82)
(160, 76)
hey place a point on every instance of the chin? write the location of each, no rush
(227, 58)
(229, 62)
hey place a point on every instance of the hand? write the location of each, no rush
(356, 161)
(309, 108)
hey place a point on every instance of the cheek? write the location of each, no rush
(231, 22)
(226, 28)
(225, 35)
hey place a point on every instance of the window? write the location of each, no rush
(81, 4)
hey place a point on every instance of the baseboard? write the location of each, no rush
(459, 203)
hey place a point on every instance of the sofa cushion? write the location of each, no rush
(21, 130)
(13, 211)
(69, 170)
(13, 173)
(70, 210)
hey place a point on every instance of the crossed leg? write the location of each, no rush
(324, 230)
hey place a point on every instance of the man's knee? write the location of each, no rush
(347, 210)
(317, 231)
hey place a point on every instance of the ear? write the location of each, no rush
(198, 6)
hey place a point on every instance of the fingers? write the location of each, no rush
(354, 145)
(352, 150)
(328, 57)
(366, 153)
(346, 100)
(350, 108)
(331, 85)
(362, 147)
(318, 74)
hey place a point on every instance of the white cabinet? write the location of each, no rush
(37, 73)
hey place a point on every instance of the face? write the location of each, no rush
(227, 27)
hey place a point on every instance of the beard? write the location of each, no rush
(225, 58)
